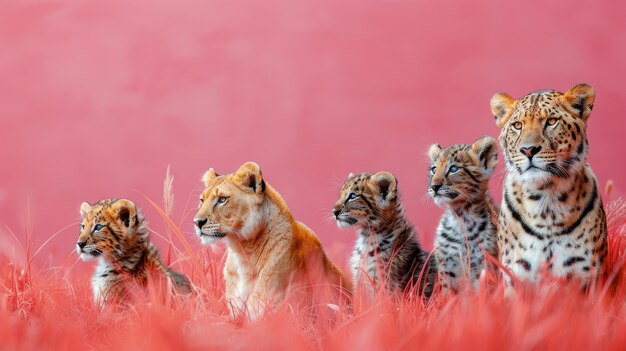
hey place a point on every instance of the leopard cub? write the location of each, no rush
(114, 232)
(459, 176)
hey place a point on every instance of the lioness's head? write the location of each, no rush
(543, 133)
(230, 204)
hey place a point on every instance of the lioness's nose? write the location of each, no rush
(200, 222)
(530, 151)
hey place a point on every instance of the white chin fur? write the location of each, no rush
(87, 257)
(441, 201)
(208, 240)
(342, 224)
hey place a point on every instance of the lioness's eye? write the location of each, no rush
(97, 227)
(517, 125)
(552, 121)
(352, 196)
(222, 200)
(433, 169)
(454, 169)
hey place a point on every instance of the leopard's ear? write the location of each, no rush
(384, 184)
(433, 152)
(84, 209)
(125, 211)
(486, 151)
(579, 100)
(208, 176)
(502, 107)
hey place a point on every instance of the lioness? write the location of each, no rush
(270, 255)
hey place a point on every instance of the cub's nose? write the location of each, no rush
(435, 187)
(200, 222)
(81, 244)
(530, 151)
(336, 213)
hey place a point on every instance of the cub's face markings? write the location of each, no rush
(459, 173)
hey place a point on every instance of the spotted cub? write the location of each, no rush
(551, 219)
(114, 232)
(387, 251)
(459, 177)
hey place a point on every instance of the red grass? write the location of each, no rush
(51, 308)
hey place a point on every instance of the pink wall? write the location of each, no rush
(96, 100)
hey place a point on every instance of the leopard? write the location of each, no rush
(387, 256)
(114, 232)
(552, 221)
(467, 232)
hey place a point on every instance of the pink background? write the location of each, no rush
(96, 100)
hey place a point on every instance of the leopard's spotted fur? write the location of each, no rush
(387, 250)
(114, 231)
(551, 218)
(459, 177)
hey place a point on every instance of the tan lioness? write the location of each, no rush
(270, 255)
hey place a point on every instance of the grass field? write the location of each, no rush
(45, 307)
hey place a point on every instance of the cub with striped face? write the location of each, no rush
(459, 177)
(387, 253)
(552, 216)
(270, 255)
(114, 231)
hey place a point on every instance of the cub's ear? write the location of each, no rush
(84, 208)
(249, 176)
(384, 184)
(208, 176)
(486, 150)
(579, 100)
(433, 152)
(125, 211)
(502, 106)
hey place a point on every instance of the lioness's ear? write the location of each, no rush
(486, 150)
(249, 176)
(208, 176)
(84, 208)
(384, 183)
(125, 211)
(502, 106)
(579, 100)
(433, 152)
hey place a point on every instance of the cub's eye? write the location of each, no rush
(433, 169)
(517, 125)
(551, 121)
(222, 200)
(454, 169)
(82, 227)
(352, 196)
(97, 227)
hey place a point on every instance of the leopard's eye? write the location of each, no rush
(97, 227)
(433, 169)
(82, 227)
(517, 125)
(222, 200)
(352, 196)
(454, 169)
(551, 121)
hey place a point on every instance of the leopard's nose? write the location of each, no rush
(530, 151)
(336, 213)
(435, 187)
(81, 244)
(200, 222)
